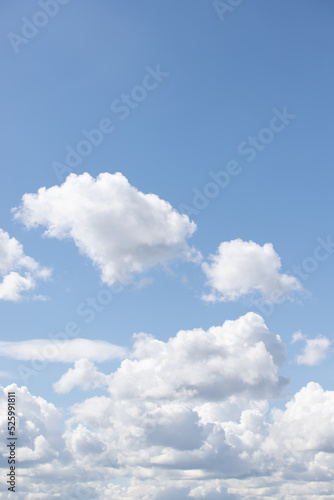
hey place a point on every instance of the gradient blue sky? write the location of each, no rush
(225, 78)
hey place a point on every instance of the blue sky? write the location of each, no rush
(223, 81)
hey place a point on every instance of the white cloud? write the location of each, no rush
(84, 375)
(122, 230)
(304, 429)
(65, 351)
(297, 336)
(38, 431)
(13, 259)
(171, 402)
(242, 267)
(202, 432)
(198, 403)
(242, 354)
(314, 351)
(12, 255)
(143, 282)
(40, 449)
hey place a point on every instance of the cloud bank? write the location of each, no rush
(185, 418)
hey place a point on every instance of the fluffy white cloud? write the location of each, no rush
(170, 404)
(38, 426)
(307, 425)
(13, 259)
(84, 375)
(243, 267)
(314, 351)
(240, 356)
(12, 255)
(183, 418)
(65, 351)
(122, 230)
(202, 422)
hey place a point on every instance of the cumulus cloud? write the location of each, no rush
(84, 375)
(65, 351)
(122, 230)
(198, 405)
(242, 267)
(19, 272)
(239, 356)
(38, 429)
(314, 351)
(188, 417)
(170, 403)
(249, 455)
(304, 431)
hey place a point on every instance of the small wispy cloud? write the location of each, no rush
(64, 351)
(314, 351)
